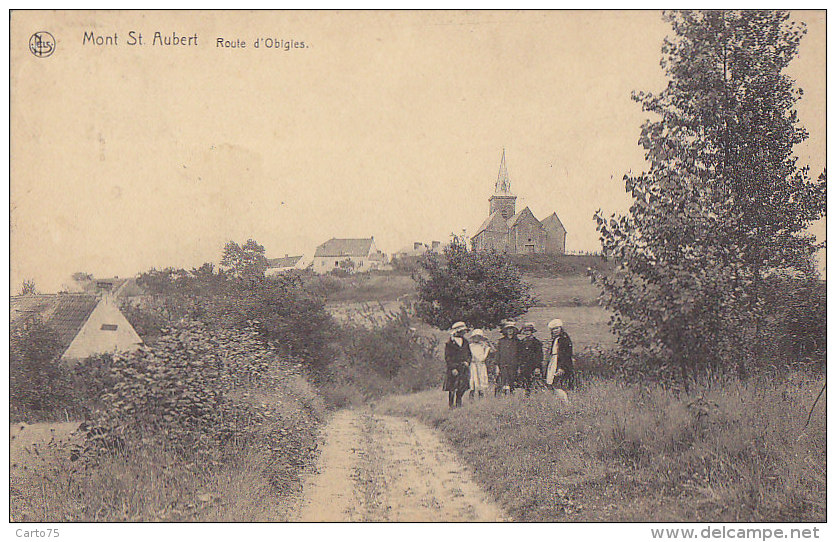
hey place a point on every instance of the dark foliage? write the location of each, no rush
(477, 287)
(724, 206)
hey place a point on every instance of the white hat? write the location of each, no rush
(557, 322)
(458, 326)
(509, 323)
(478, 333)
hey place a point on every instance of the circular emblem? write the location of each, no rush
(42, 44)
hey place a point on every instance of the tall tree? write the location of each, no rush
(245, 261)
(724, 203)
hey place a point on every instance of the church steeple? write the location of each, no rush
(502, 200)
(503, 182)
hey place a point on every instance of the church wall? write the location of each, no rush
(525, 234)
(555, 240)
(495, 240)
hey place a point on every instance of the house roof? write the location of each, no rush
(65, 313)
(344, 247)
(520, 215)
(120, 287)
(495, 218)
(279, 263)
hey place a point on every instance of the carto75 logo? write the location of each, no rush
(42, 44)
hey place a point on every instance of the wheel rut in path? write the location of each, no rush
(384, 468)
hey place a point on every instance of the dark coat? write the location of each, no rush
(508, 359)
(564, 352)
(457, 358)
(532, 356)
(564, 361)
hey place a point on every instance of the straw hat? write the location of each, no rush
(509, 323)
(528, 325)
(557, 322)
(458, 326)
(478, 333)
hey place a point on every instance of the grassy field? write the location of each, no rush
(733, 452)
(571, 298)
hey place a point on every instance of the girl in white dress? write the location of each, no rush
(480, 349)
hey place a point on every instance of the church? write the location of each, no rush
(506, 230)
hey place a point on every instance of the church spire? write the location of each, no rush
(503, 182)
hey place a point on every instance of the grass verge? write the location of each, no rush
(739, 451)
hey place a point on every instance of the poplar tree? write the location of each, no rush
(724, 204)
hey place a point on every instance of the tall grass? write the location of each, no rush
(736, 451)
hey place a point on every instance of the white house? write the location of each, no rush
(361, 252)
(86, 325)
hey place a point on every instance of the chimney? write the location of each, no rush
(416, 245)
(436, 245)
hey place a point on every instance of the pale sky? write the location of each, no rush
(389, 125)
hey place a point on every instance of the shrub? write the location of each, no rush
(177, 389)
(40, 386)
(383, 357)
(478, 287)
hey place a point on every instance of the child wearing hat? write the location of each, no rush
(531, 357)
(508, 358)
(457, 357)
(480, 349)
(560, 373)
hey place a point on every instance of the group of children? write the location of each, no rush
(512, 363)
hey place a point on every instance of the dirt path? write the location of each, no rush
(382, 468)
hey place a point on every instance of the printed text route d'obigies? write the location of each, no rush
(136, 38)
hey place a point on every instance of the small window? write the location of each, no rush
(109, 327)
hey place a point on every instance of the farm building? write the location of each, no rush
(362, 253)
(86, 324)
(276, 266)
(506, 230)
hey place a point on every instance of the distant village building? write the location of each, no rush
(276, 266)
(506, 230)
(417, 249)
(86, 325)
(120, 288)
(362, 253)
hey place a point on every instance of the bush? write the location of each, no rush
(481, 288)
(179, 389)
(370, 361)
(206, 425)
(40, 386)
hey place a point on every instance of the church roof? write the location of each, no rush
(344, 247)
(503, 182)
(495, 218)
(554, 220)
(519, 216)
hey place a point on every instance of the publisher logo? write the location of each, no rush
(42, 44)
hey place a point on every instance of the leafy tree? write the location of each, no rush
(480, 288)
(724, 204)
(245, 261)
(28, 288)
